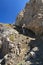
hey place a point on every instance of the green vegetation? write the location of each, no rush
(11, 37)
(21, 63)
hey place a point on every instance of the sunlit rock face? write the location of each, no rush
(32, 16)
(42, 1)
(19, 18)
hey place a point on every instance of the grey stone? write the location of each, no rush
(32, 16)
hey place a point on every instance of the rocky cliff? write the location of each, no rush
(32, 16)
(18, 43)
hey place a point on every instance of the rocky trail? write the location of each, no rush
(16, 48)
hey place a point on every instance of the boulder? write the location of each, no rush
(35, 49)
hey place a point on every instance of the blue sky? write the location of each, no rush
(9, 9)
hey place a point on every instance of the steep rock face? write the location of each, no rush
(32, 16)
(19, 18)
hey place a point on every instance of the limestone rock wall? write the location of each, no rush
(32, 16)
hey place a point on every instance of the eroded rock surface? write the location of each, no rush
(19, 49)
(32, 16)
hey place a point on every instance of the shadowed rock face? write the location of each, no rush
(4, 47)
(32, 16)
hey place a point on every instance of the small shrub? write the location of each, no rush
(7, 25)
(11, 37)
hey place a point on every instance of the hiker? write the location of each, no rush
(23, 29)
